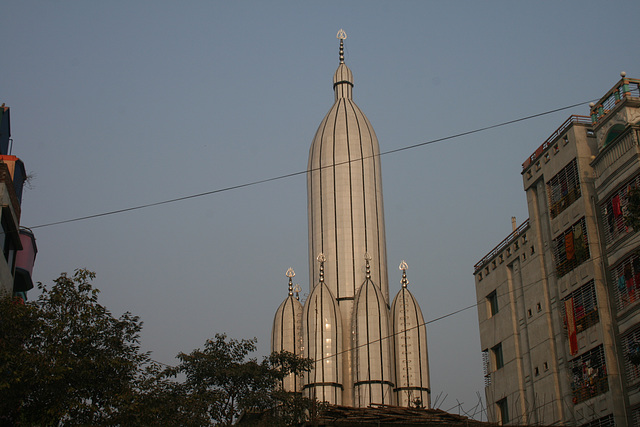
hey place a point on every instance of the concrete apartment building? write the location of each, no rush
(559, 318)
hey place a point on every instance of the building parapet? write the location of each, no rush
(506, 242)
(625, 88)
(573, 119)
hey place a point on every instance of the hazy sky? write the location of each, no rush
(116, 104)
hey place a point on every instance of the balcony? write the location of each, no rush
(624, 89)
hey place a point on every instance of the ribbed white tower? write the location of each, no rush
(373, 356)
(286, 334)
(410, 347)
(322, 342)
(344, 194)
(364, 352)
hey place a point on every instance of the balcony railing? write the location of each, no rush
(613, 151)
(506, 242)
(547, 143)
(623, 89)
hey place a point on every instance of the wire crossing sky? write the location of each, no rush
(128, 104)
(292, 174)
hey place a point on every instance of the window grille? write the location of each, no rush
(635, 416)
(614, 210)
(606, 421)
(588, 375)
(631, 355)
(626, 281)
(585, 307)
(486, 367)
(571, 248)
(563, 189)
(498, 358)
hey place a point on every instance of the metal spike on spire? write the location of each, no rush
(403, 266)
(342, 36)
(290, 274)
(321, 259)
(368, 258)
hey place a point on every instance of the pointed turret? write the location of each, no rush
(372, 358)
(322, 342)
(410, 348)
(286, 334)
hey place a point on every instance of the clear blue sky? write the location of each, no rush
(121, 103)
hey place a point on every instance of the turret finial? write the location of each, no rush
(321, 259)
(367, 258)
(342, 36)
(297, 289)
(403, 266)
(290, 274)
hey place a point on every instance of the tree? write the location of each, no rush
(224, 383)
(66, 357)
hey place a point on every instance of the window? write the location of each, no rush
(563, 189)
(614, 209)
(546, 366)
(538, 307)
(529, 313)
(631, 352)
(606, 421)
(589, 375)
(492, 301)
(584, 308)
(497, 356)
(626, 281)
(571, 248)
(503, 411)
(536, 371)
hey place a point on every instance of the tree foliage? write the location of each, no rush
(224, 382)
(65, 359)
(65, 356)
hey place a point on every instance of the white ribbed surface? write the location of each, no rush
(322, 342)
(410, 345)
(373, 361)
(287, 335)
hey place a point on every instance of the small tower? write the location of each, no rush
(410, 348)
(372, 358)
(286, 334)
(322, 342)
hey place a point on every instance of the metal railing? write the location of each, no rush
(506, 242)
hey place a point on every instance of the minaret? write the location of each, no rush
(410, 348)
(322, 342)
(344, 196)
(286, 334)
(373, 358)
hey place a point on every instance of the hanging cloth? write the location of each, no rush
(615, 202)
(568, 246)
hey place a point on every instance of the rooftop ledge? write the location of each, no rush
(573, 119)
(506, 242)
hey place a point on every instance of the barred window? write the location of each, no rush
(584, 306)
(614, 210)
(626, 281)
(631, 354)
(606, 421)
(588, 375)
(563, 189)
(571, 248)
(635, 416)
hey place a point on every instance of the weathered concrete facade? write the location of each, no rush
(551, 330)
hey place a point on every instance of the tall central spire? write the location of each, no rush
(343, 77)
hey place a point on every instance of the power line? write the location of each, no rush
(292, 174)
